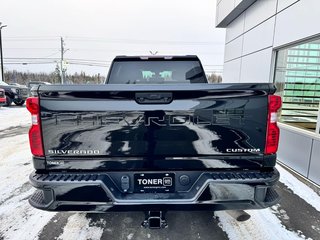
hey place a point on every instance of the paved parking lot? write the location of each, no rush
(297, 216)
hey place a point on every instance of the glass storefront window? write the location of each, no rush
(297, 78)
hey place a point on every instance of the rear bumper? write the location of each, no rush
(102, 192)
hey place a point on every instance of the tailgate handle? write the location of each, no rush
(154, 98)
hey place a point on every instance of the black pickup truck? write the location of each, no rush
(14, 93)
(155, 137)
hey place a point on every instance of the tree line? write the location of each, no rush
(77, 78)
(54, 78)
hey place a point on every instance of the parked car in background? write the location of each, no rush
(14, 93)
(2, 97)
(31, 84)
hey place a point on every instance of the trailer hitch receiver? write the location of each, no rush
(154, 220)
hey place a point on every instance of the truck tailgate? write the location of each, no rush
(154, 127)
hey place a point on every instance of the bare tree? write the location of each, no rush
(214, 78)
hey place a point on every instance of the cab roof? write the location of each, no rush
(156, 57)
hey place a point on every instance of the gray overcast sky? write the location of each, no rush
(97, 30)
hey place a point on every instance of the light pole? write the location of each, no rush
(1, 55)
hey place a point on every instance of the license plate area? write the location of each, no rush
(154, 182)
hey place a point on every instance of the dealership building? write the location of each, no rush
(278, 41)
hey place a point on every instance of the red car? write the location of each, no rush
(2, 97)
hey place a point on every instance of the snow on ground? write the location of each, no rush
(78, 228)
(18, 220)
(299, 188)
(15, 166)
(262, 221)
(14, 116)
(263, 225)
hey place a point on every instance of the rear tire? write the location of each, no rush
(8, 101)
(19, 102)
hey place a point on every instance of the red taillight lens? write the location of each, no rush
(35, 138)
(33, 105)
(274, 103)
(273, 132)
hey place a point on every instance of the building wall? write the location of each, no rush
(253, 34)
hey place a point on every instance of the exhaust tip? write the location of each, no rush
(239, 215)
(243, 217)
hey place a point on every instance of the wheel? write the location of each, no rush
(8, 101)
(19, 102)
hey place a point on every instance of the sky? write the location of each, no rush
(95, 31)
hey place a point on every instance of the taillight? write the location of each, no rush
(273, 132)
(35, 138)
